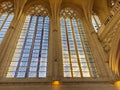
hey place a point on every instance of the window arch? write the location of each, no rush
(6, 16)
(30, 56)
(77, 58)
(96, 22)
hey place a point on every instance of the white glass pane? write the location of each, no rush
(10, 74)
(42, 74)
(21, 74)
(86, 74)
(67, 74)
(32, 74)
(76, 74)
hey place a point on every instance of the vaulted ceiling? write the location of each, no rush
(98, 4)
(100, 7)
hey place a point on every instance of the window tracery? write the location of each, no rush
(68, 12)
(37, 10)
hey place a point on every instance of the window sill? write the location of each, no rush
(49, 80)
(23, 80)
(87, 80)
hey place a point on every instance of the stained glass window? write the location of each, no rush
(6, 16)
(76, 54)
(31, 54)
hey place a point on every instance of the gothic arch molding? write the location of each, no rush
(78, 9)
(39, 2)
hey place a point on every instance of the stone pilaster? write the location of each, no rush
(55, 10)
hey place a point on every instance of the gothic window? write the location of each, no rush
(6, 16)
(76, 56)
(96, 22)
(31, 54)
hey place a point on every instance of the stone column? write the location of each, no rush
(55, 10)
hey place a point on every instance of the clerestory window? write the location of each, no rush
(77, 58)
(31, 54)
(6, 16)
